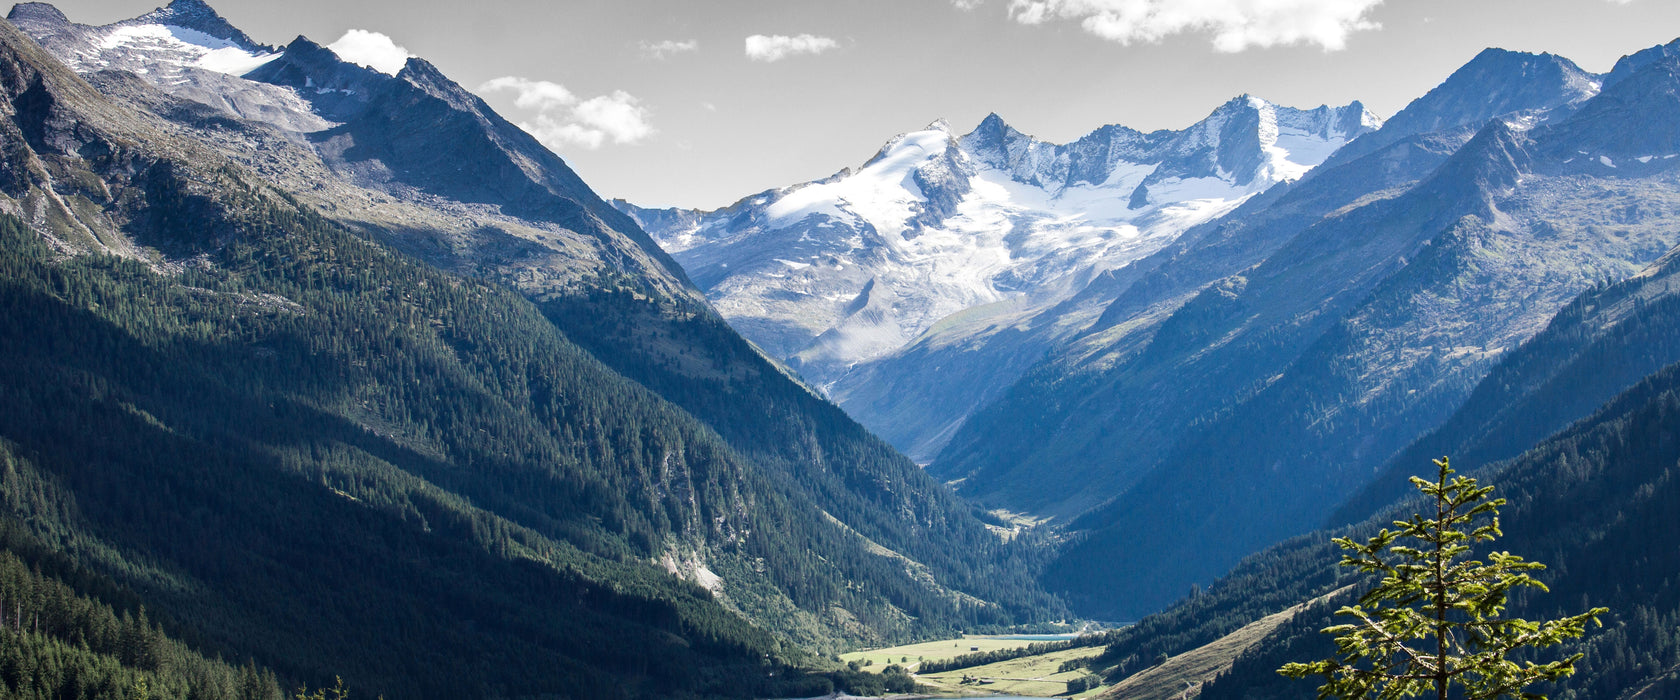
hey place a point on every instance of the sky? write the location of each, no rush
(698, 103)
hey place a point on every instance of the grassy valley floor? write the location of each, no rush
(1037, 676)
(911, 655)
(1034, 676)
(1049, 674)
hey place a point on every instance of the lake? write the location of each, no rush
(1036, 638)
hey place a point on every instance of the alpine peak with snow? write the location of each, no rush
(943, 236)
(184, 34)
(375, 148)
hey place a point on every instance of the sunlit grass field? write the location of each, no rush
(1031, 675)
(909, 655)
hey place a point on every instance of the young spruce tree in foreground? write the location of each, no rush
(1435, 621)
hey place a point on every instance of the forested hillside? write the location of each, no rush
(689, 356)
(307, 449)
(548, 236)
(66, 633)
(1593, 502)
(306, 456)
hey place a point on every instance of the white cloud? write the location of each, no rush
(668, 47)
(371, 49)
(562, 120)
(619, 115)
(532, 94)
(967, 4)
(1235, 24)
(770, 49)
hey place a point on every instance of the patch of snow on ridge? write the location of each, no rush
(234, 60)
(185, 47)
(1297, 152)
(1296, 141)
(1183, 215)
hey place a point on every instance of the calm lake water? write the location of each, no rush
(1035, 638)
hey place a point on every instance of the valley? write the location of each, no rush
(320, 377)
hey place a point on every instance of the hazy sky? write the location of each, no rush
(698, 103)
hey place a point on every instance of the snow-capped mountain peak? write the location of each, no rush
(883, 194)
(200, 17)
(837, 272)
(161, 44)
(368, 143)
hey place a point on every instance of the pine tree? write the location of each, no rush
(1435, 594)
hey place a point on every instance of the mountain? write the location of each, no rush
(197, 494)
(411, 152)
(859, 280)
(1517, 86)
(438, 420)
(1306, 342)
(1138, 299)
(1592, 501)
(1598, 346)
(1571, 428)
(1586, 502)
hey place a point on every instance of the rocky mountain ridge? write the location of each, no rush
(947, 239)
(495, 201)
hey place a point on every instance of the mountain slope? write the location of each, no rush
(944, 239)
(465, 188)
(1520, 87)
(210, 441)
(1583, 357)
(1594, 503)
(212, 444)
(1353, 333)
(1506, 239)
(1053, 421)
(460, 401)
(1602, 343)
